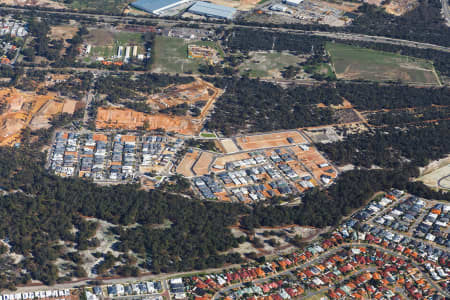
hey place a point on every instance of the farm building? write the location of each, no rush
(212, 10)
(156, 7)
(292, 2)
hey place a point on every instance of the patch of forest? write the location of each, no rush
(250, 105)
(424, 23)
(374, 96)
(392, 147)
(417, 115)
(253, 105)
(48, 207)
(124, 86)
(351, 191)
(246, 39)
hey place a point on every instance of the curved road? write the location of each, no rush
(327, 254)
(442, 186)
(336, 35)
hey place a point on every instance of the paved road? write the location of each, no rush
(439, 183)
(335, 35)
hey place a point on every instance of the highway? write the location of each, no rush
(332, 35)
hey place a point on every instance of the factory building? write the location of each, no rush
(292, 2)
(212, 10)
(156, 7)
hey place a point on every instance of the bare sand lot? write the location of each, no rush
(243, 5)
(40, 3)
(229, 146)
(437, 174)
(22, 109)
(185, 167)
(119, 118)
(221, 161)
(202, 164)
(252, 142)
(192, 93)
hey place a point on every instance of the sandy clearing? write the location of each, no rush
(221, 161)
(69, 106)
(202, 164)
(25, 108)
(279, 139)
(229, 146)
(118, 118)
(40, 3)
(184, 168)
(431, 179)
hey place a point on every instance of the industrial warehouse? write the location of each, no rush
(212, 10)
(156, 7)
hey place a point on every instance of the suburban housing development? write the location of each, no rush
(222, 149)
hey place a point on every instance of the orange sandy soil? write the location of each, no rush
(400, 7)
(312, 159)
(189, 93)
(184, 168)
(118, 118)
(100, 137)
(221, 161)
(202, 164)
(243, 5)
(22, 109)
(253, 142)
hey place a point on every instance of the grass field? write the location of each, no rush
(268, 64)
(170, 55)
(207, 135)
(352, 62)
(106, 6)
(105, 43)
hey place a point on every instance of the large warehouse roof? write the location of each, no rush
(212, 10)
(156, 6)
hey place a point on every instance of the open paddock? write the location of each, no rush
(260, 141)
(229, 146)
(222, 160)
(117, 118)
(201, 167)
(351, 63)
(185, 167)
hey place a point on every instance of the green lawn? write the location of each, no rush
(170, 55)
(109, 47)
(351, 62)
(106, 6)
(207, 135)
(267, 64)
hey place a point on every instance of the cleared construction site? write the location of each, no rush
(198, 93)
(27, 109)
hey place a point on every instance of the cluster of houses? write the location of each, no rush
(110, 158)
(249, 184)
(121, 290)
(434, 225)
(48, 294)
(403, 215)
(177, 288)
(64, 155)
(374, 264)
(207, 186)
(392, 275)
(13, 28)
(93, 156)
